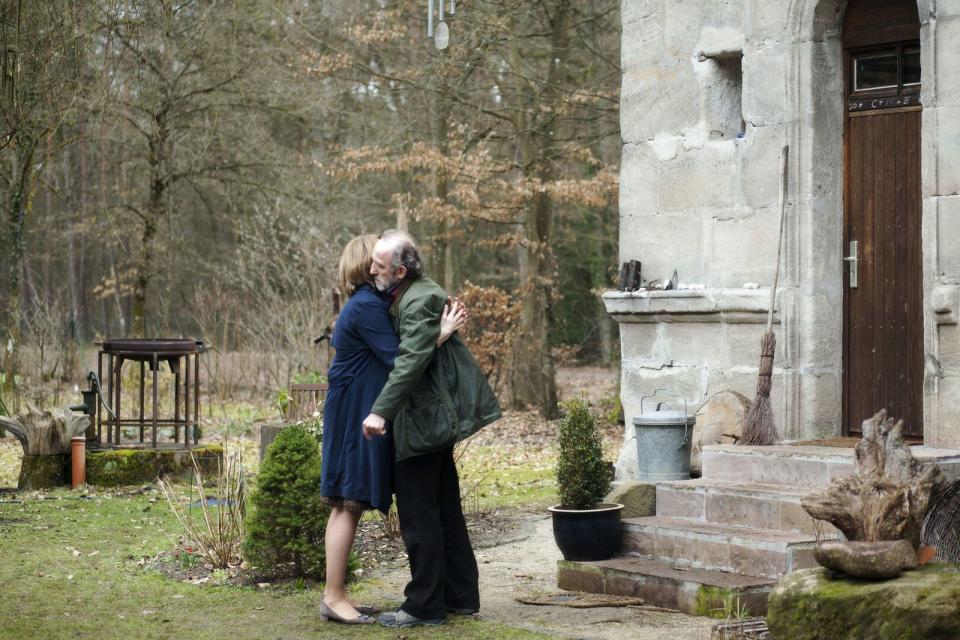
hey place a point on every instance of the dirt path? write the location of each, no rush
(526, 563)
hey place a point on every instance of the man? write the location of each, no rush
(433, 398)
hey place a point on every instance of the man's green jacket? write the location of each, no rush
(435, 397)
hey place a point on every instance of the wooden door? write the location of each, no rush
(883, 332)
(883, 308)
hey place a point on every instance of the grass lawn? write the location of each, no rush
(71, 569)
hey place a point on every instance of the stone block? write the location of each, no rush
(644, 109)
(947, 436)
(820, 404)
(639, 180)
(730, 507)
(664, 243)
(681, 29)
(639, 499)
(947, 61)
(812, 605)
(692, 344)
(677, 502)
(948, 240)
(766, 21)
(742, 343)
(947, 143)
(759, 166)
(637, 340)
(949, 343)
(744, 250)
(632, 11)
(765, 80)
(700, 178)
(642, 33)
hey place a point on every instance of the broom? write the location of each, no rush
(758, 427)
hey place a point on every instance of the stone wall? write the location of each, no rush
(712, 91)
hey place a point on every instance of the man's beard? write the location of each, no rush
(385, 283)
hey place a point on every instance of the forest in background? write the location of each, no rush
(194, 167)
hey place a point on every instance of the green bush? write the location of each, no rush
(286, 529)
(583, 477)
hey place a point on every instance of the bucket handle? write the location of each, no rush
(685, 440)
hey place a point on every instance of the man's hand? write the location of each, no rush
(374, 426)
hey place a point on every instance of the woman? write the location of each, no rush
(356, 472)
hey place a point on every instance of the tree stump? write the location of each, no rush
(719, 421)
(890, 494)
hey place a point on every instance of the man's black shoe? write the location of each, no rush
(401, 619)
(462, 611)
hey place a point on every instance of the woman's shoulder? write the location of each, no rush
(366, 296)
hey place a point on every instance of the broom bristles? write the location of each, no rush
(758, 425)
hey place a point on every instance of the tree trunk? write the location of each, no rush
(534, 376)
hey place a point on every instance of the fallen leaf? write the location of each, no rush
(925, 554)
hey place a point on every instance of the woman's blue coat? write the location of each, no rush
(366, 344)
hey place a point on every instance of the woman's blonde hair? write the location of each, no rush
(355, 264)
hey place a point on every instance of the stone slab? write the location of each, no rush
(812, 605)
(661, 584)
(718, 547)
(802, 466)
(761, 506)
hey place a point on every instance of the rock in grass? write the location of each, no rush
(870, 560)
(810, 604)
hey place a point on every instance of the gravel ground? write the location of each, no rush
(524, 563)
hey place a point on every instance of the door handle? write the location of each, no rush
(852, 260)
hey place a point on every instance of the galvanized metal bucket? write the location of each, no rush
(663, 441)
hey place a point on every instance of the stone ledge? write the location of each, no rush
(697, 592)
(812, 605)
(743, 306)
(117, 467)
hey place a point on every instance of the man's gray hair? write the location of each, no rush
(404, 252)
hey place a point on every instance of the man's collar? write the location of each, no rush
(396, 293)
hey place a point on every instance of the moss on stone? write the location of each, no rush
(923, 603)
(43, 471)
(118, 467)
(718, 602)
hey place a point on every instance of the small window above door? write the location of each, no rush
(884, 77)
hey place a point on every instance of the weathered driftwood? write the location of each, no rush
(45, 432)
(890, 494)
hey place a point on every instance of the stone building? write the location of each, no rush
(866, 96)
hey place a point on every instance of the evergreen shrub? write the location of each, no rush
(583, 477)
(286, 529)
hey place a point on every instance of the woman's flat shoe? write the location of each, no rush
(366, 609)
(328, 614)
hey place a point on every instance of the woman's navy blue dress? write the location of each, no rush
(366, 344)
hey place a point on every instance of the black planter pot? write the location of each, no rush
(587, 534)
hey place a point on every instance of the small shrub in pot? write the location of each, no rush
(584, 528)
(583, 476)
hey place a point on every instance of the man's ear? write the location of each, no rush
(401, 272)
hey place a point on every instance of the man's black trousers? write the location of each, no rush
(442, 564)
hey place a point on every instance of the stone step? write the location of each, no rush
(761, 506)
(749, 551)
(796, 467)
(663, 584)
(801, 467)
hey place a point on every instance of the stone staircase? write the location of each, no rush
(728, 536)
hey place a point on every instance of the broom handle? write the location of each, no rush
(783, 198)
